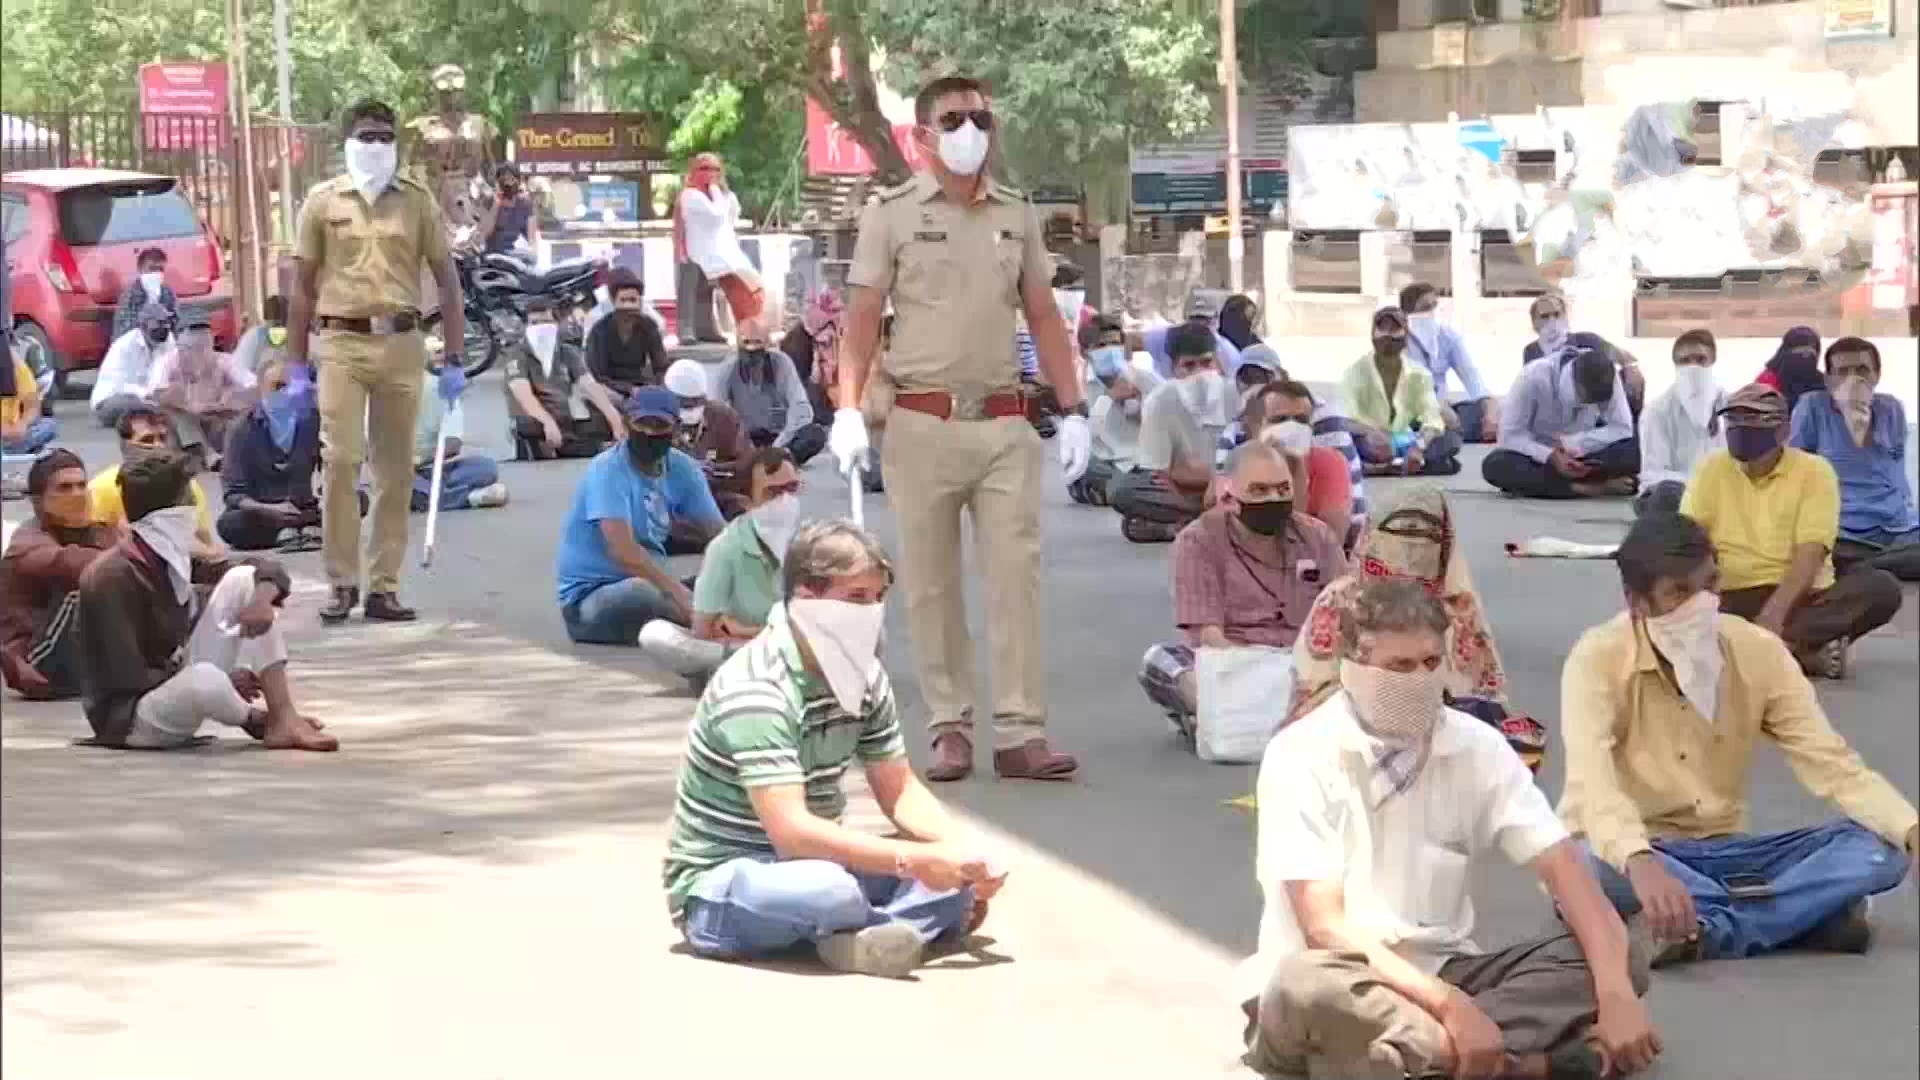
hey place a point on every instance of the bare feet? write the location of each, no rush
(298, 733)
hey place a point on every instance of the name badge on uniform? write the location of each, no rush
(1008, 234)
(931, 237)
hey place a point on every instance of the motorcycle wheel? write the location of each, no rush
(482, 346)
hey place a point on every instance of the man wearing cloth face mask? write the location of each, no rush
(1661, 709)
(764, 388)
(1566, 432)
(1774, 512)
(1118, 389)
(149, 286)
(712, 434)
(1373, 807)
(1863, 434)
(1682, 426)
(1244, 573)
(626, 351)
(125, 378)
(1393, 411)
(364, 242)
(543, 374)
(1180, 424)
(639, 501)
(957, 252)
(758, 861)
(266, 476)
(511, 222)
(40, 580)
(739, 580)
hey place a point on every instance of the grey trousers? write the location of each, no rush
(1327, 1011)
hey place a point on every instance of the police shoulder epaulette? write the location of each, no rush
(894, 192)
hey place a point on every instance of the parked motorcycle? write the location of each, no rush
(495, 291)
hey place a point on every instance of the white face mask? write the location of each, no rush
(542, 339)
(693, 415)
(1854, 394)
(1553, 337)
(964, 149)
(1694, 385)
(845, 639)
(169, 533)
(1070, 301)
(776, 520)
(1204, 395)
(150, 282)
(602, 297)
(1689, 638)
(1130, 408)
(370, 166)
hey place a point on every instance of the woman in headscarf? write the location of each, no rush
(1236, 321)
(703, 233)
(1412, 536)
(1795, 367)
(811, 343)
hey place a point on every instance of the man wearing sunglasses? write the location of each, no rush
(958, 254)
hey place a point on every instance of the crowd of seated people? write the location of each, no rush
(1180, 424)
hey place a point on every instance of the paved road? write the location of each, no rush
(471, 888)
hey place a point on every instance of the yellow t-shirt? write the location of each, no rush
(1756, 524)
(12, 409)
(103, 492)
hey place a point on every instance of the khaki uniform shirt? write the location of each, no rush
(371, 259)
(954, 273)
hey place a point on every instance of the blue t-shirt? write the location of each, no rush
(1874, 496)
(614, 489)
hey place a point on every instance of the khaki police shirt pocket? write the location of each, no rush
(924, 275)
(1010, 250)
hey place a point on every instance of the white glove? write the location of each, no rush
(848, 440)
(1075, 440)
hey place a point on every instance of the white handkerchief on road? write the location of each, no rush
(1552, 547)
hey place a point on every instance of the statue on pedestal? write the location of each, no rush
(453, 150)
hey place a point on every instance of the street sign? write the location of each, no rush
(189, 90)
(588, 143)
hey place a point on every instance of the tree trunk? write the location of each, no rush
(853, 101)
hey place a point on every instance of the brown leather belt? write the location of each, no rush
(942, 405)
(401, 323)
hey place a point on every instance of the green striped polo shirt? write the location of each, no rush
(764, 720)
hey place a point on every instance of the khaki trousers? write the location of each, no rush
(369, 401)
(990, 468)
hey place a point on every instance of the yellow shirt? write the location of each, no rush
(1642, 761)
(103, 492)
(13, 409)
(1755, 524)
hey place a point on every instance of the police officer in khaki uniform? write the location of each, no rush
(958, 254)
(364, 240)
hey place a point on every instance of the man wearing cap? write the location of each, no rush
(712, 434)
(1566, 431)
(957, 252)
(1201, 309)
(1393, 411)
(1773, 513)
(450, 147)
(635, 496)
(364, 242)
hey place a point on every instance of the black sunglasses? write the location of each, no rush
(951, 121)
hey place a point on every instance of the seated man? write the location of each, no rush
(1661, 707)
(143, 430)
(1682, 426)
(1372, 808)
(1322, 478)
(266, 475)
(201, 391)
(711, 434)
(1117, 389)
(626, 352)
(1566, 432)
(1553, 338)
(1259, 366)
(469, 480)
(160, 657)
(1204, 315)
(764, 388)
(757, 860)
(1287, 400)
(1863, 435)
(40, 580)
(739, 580)
(1773, 513)
(125, 377)
(542, 374)
(1392, 410)
(1179, 424)
(149, 286)
(1244, 573)
(634, 497)
(23, 430)
(1473, 413)
(267, 341)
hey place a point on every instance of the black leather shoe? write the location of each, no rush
(386, 607)
(340, 608)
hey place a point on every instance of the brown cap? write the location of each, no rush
(1756, 403)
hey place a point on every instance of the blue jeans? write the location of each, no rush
(748, 908)
(460, 478)
(1815, 873)
(41, 430)
(613, 614)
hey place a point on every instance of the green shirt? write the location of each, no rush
(764, 721)
(739, 577)
(1414, 407)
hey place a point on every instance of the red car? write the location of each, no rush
(72, 238)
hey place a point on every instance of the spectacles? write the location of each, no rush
(951, 121)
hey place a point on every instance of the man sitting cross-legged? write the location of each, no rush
(40, 580)
(1566, 431)
(1179, 424)
(1661, 707)
(1372, 808)
(159, 657)
(739, 580)
(1863, 434)
(758, 861)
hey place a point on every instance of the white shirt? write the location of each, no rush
(1672, 442)
(711, 242)
(1116, 436)
(161, 372)
(127, 368)
(1168, 432)
(1403, 864)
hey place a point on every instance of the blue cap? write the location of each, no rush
(653, 403)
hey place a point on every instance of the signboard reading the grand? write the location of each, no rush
(560, 143)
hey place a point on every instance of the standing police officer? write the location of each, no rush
(958, 253)
(365, 239)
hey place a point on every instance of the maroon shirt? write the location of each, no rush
(1220, 578)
